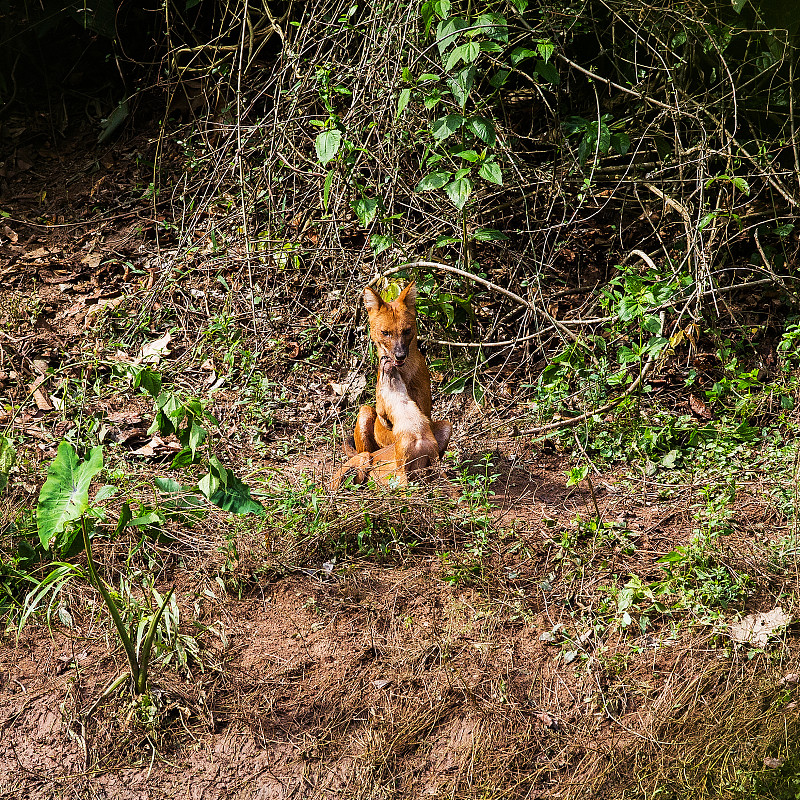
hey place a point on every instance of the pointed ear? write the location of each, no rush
(408, 297)
(372, 300)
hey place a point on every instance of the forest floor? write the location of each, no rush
(528, 638)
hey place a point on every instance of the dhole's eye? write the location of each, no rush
(384, 333)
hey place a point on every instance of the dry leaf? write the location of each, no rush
(699, 408)
(353, 386)
(106, 304)
(152, 353)
(756, 629)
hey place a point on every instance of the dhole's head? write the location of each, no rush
(393, 326)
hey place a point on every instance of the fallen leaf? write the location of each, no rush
(353, 386)
(106, 304)
(774, 763)
(152, 353)
(699, 407)
(756, 629)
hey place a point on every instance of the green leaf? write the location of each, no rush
(405, 97)
(447, 33)
(433, 181)
(499, 78)
(545, 49)
(125, 516)
(621, 142)
(738, 5)
(8, 456)
(459, 191)
(446, 126)
(458, 385)
(148, 380)
(490, 171)
(197, 435)
(183, 458)
(483, 129)
(489, 235)
(105, 493)
(577, 474)
(461, 85)
(378, 242)
(326, 190)
(467, 155)
(327, 144)
(547, 72)
(226, 491)
(494, 26)
(365, 208)
(519, 54)
(520, 5)
(741, 184)
(64, 498)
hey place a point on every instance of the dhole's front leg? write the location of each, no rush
(370, 433)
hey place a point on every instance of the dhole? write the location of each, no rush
(393, 328)
(415, 451)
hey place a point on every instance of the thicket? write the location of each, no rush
(626, 173)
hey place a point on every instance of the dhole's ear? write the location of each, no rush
(372, 300)
(408, 297)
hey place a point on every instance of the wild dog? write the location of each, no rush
(393, 329)
(415, 450)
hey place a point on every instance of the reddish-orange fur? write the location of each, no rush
(415, 451)
(393, 329)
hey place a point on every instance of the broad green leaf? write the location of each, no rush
(183, 458)
(461, 173)
(547, 72)
(64, 498)
(545, 49)
(483, 129)
(490, 171)
(499, 78)
(519, 54)
(495, 26)
(405, 97)
(125, 516)
(467, 155)
(446, 126)
(169, 486)
(327, 144)
(447, 33)
(378, 242)
(8, 456)
(458, 385)
(489, 235)
(459, 191)
(621, 142)
(105, 493)
(577, 474)
(738, 5)
(197, 435)
(741, 184)
(433, 181)
(148, 380)
(520, 5)
(365, 208)
(461, 85)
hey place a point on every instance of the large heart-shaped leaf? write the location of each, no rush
(64, 498)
